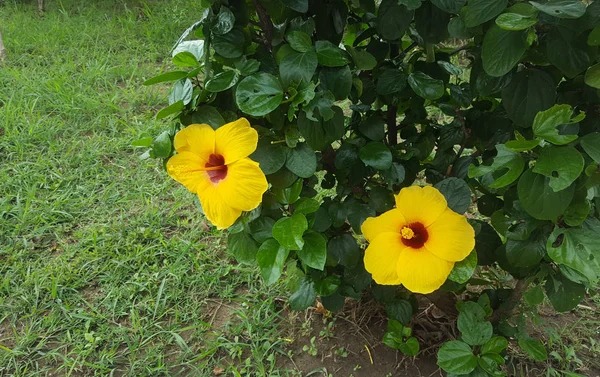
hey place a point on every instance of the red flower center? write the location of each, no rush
(414, 235)
(218, 169)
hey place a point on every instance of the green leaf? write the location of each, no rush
(474, 329)
(399, 310)
(182, 91)
(230, 45)
(505, 159)
(528, 252)
(425, 86)
(173, 108)
(305, 296)
(450, 68)
(242, 247)
(300, 6)
(165, 77)
(393, 19)
(344, 250)
(534, 348)
(561, 8)
(479, 11)
(321, 107)
(299, 41)
(224, 22)
(502, 50)
(577, 248)
(259, 94)
(271, 157)
(463, 270)
(539, 199)
(373, 127)
(207, 114)
(449, 6)
(319, 134)
(410, 4)
(162, 146)
(357, 213)
(534, 296)
(327, 286)
(289, 230)
(185, 59)
(594, 37)
(298, 67)
(567, 51)
(306, 206)
(529, 92)
(314, 251)
(592, 76)
(322, 220)
(457, 194)
(431, 23)
(456, 357)
(145, 141)
(522, 145)
(271, 258)
(410, 347)
(329, 55)
(546, 122)
(376, 155)
(338, 81)
(496, 344)
(515, 21)
(591, 145)
(261, 229)
(564, 295)
(362, 59)
(222, 81)
(288, 195)
(562, 165)
(391, 81)
(302, 161)
(196, 47)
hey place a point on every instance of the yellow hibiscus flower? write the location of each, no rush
(417, 243)
(215, 166)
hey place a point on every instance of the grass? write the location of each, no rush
(105, 268)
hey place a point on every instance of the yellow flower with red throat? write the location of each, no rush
(417, 243)
(215, 166)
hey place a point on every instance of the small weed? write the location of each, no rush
(341, 352)
(312, 348)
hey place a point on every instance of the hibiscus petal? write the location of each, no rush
(196, 138)
(451, 237)
(236, 140)
(381, 258)
(217, 210)
(244, 185)
(185, 167)
(422, 272)
(390, 221)
(421, 204)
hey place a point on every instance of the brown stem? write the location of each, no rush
(392, 125)
(507, 308)
(266, 23)
(445, 301)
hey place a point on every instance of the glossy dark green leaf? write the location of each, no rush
(357, 213)
(561, 8)
(306, 206)
(271, 258)
(243, 247)
(222, 81)
(261, 229)
(502, 50)
(376, 155)
(562, 165)
(363, 60)
(288, 231)
(546, 122)
(321, 107)
(425, 86)
(456, 357)
(302, 161)
(182, 91)
(230, 45)
(271, 157)
(431, 23)
(591, 145)
(162, 146)
(314, 251)
(305, 296)
(166, 77)
(529, 92)
(259, 94)
(399, 310)
(393, 19)
(505, 159)
(299, 41)
(449, 6)
(479, 11)
(529, 252)
(463, 270)
(474, 329)
(539, 200)
(288, 195)
(224, 22)
(457, 194)
(300, 6)
(327, 286)
(344, 250)
(373, 127)
(567, 51)
(298, 67)
(534, 348)
(391, 81)
(329, 55)
(333, 303)
(515, 21)
(592, 76)
(564, 295)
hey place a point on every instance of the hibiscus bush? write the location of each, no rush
(399, 150)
